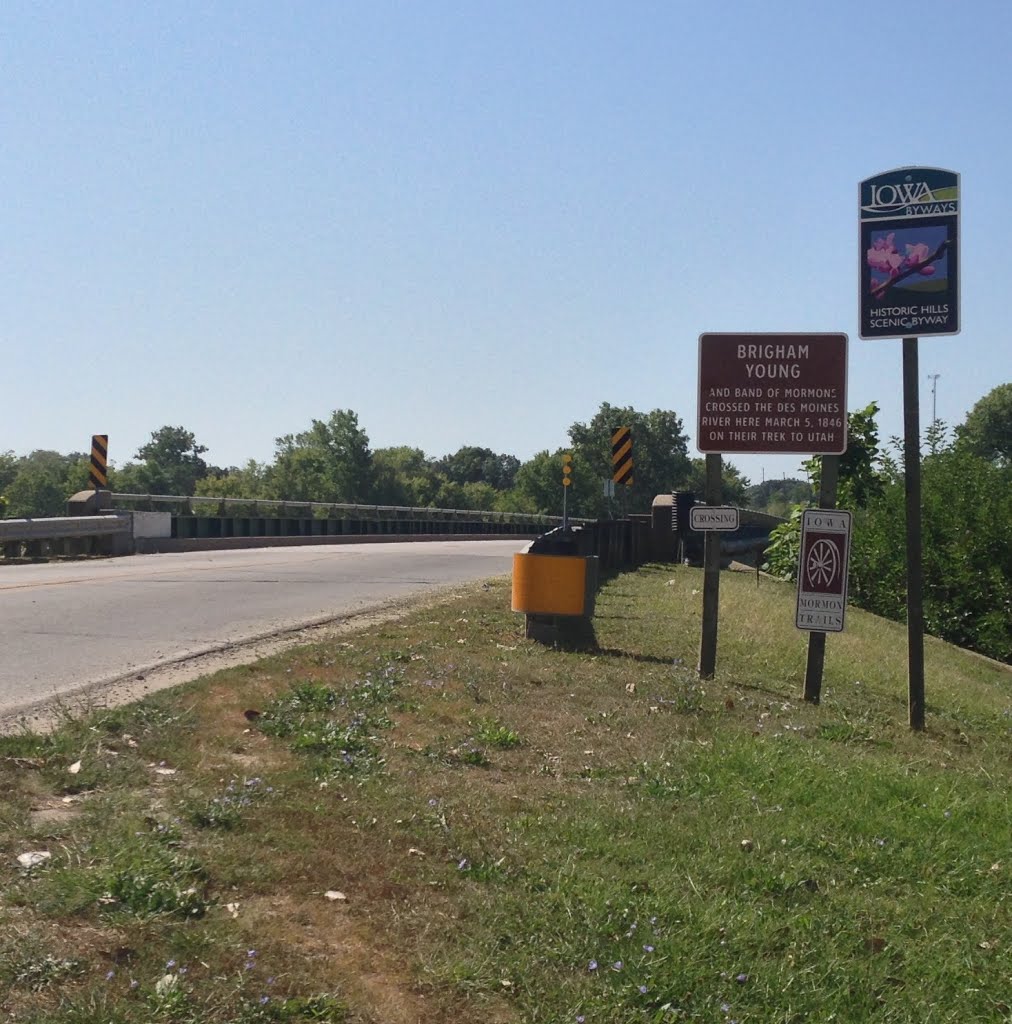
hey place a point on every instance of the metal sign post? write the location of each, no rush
(915, 581)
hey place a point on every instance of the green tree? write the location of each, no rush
(477, 495)
(404, 476)
(8, 471)
(733, 486)
(987, 431)
(43, 482)
(777, 496)
(171, 463)
(857, 480)
(329, 462)
(538, 487)
(472, 465)
(966, 525)
(248, 481)
(660, 454)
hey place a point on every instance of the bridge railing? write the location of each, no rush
(272, 508)
(239, 521)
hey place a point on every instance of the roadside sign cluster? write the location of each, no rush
(787, 394)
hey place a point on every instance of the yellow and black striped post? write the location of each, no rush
(98, 477)
(621, 456)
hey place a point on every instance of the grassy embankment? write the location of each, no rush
(436, 820)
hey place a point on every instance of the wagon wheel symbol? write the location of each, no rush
(823, 563)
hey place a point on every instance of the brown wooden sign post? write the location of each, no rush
(711, 576)
(817, 637)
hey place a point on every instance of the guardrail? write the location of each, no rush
(29, 537)
(256, 507)
(61, 527)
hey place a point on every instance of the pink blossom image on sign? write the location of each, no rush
(924, 255)
(917, 254)
(883, 255)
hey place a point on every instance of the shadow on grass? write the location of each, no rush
(652, 659)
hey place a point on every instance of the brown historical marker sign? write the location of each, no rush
(779, 393)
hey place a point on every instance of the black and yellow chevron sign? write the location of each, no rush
(98, 477)
(621, 456)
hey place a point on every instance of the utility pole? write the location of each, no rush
(933, 377)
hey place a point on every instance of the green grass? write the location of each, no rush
(436, 820)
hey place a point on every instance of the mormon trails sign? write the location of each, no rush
(823, 570)
(909, 251)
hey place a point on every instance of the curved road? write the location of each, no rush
(76, 626)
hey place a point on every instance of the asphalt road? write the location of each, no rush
(75, 627)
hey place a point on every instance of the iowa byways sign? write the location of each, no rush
(909, 238)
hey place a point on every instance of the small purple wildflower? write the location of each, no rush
(264, 1000)
(617, 965)
(110, 975)
(134, 983)
(592, 966)
(580, 1018)
(741, 979)
(464, 864)
(725, 1007)
(433, 802)
(169, 964)
(648, 948)
(643, 990)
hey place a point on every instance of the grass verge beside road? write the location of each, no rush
(436, 820)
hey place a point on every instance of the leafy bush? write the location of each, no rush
(784, 548)
(966, 523)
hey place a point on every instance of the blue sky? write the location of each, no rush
(470, 222)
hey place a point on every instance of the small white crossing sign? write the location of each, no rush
(713, 517)
(823, 570)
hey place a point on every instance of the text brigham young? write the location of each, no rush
(769, 351)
